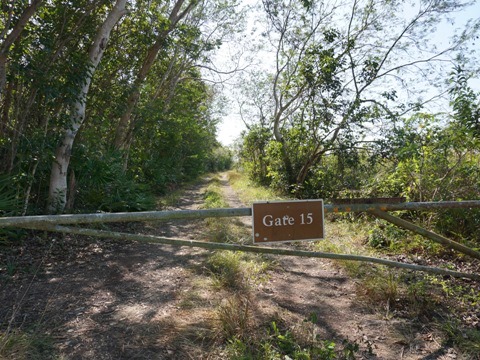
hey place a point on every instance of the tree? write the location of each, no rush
(12, 29)
(58, 178)
(48, 133)
(124, 127)
(253, 153)
(42, 71)
(465, 102)
(339, 74)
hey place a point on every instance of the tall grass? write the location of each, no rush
(249, 192)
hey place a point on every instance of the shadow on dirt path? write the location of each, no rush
(111, 300)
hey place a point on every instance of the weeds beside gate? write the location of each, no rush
(57, 223)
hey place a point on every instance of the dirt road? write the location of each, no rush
(109, 300)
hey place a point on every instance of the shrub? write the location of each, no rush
(104, 185)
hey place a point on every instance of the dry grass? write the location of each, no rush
(235, 318)
(248, 192)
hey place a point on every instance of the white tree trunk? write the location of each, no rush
(57, 196)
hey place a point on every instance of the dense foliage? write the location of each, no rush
(421, 158)
(351, 108)
(117, 104)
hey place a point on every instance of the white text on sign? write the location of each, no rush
(287, 220)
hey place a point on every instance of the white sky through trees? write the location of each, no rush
(232, 125)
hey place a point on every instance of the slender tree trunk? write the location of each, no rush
(57, 197)
(5, 115)
(287, 162)
(20, 120)
(12, 37)
(126, 123)
(3, 71)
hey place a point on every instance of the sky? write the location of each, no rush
(231, 124)
(230, 129)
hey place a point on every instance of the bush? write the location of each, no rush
(428, 163)
(104, 185)
(386, 236)
(9, 203)
(221, 159)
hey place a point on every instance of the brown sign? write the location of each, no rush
(287, 221)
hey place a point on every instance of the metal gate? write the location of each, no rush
(378, 207)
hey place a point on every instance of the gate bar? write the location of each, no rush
(25, 221)
(424, 232)
(255, 249)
